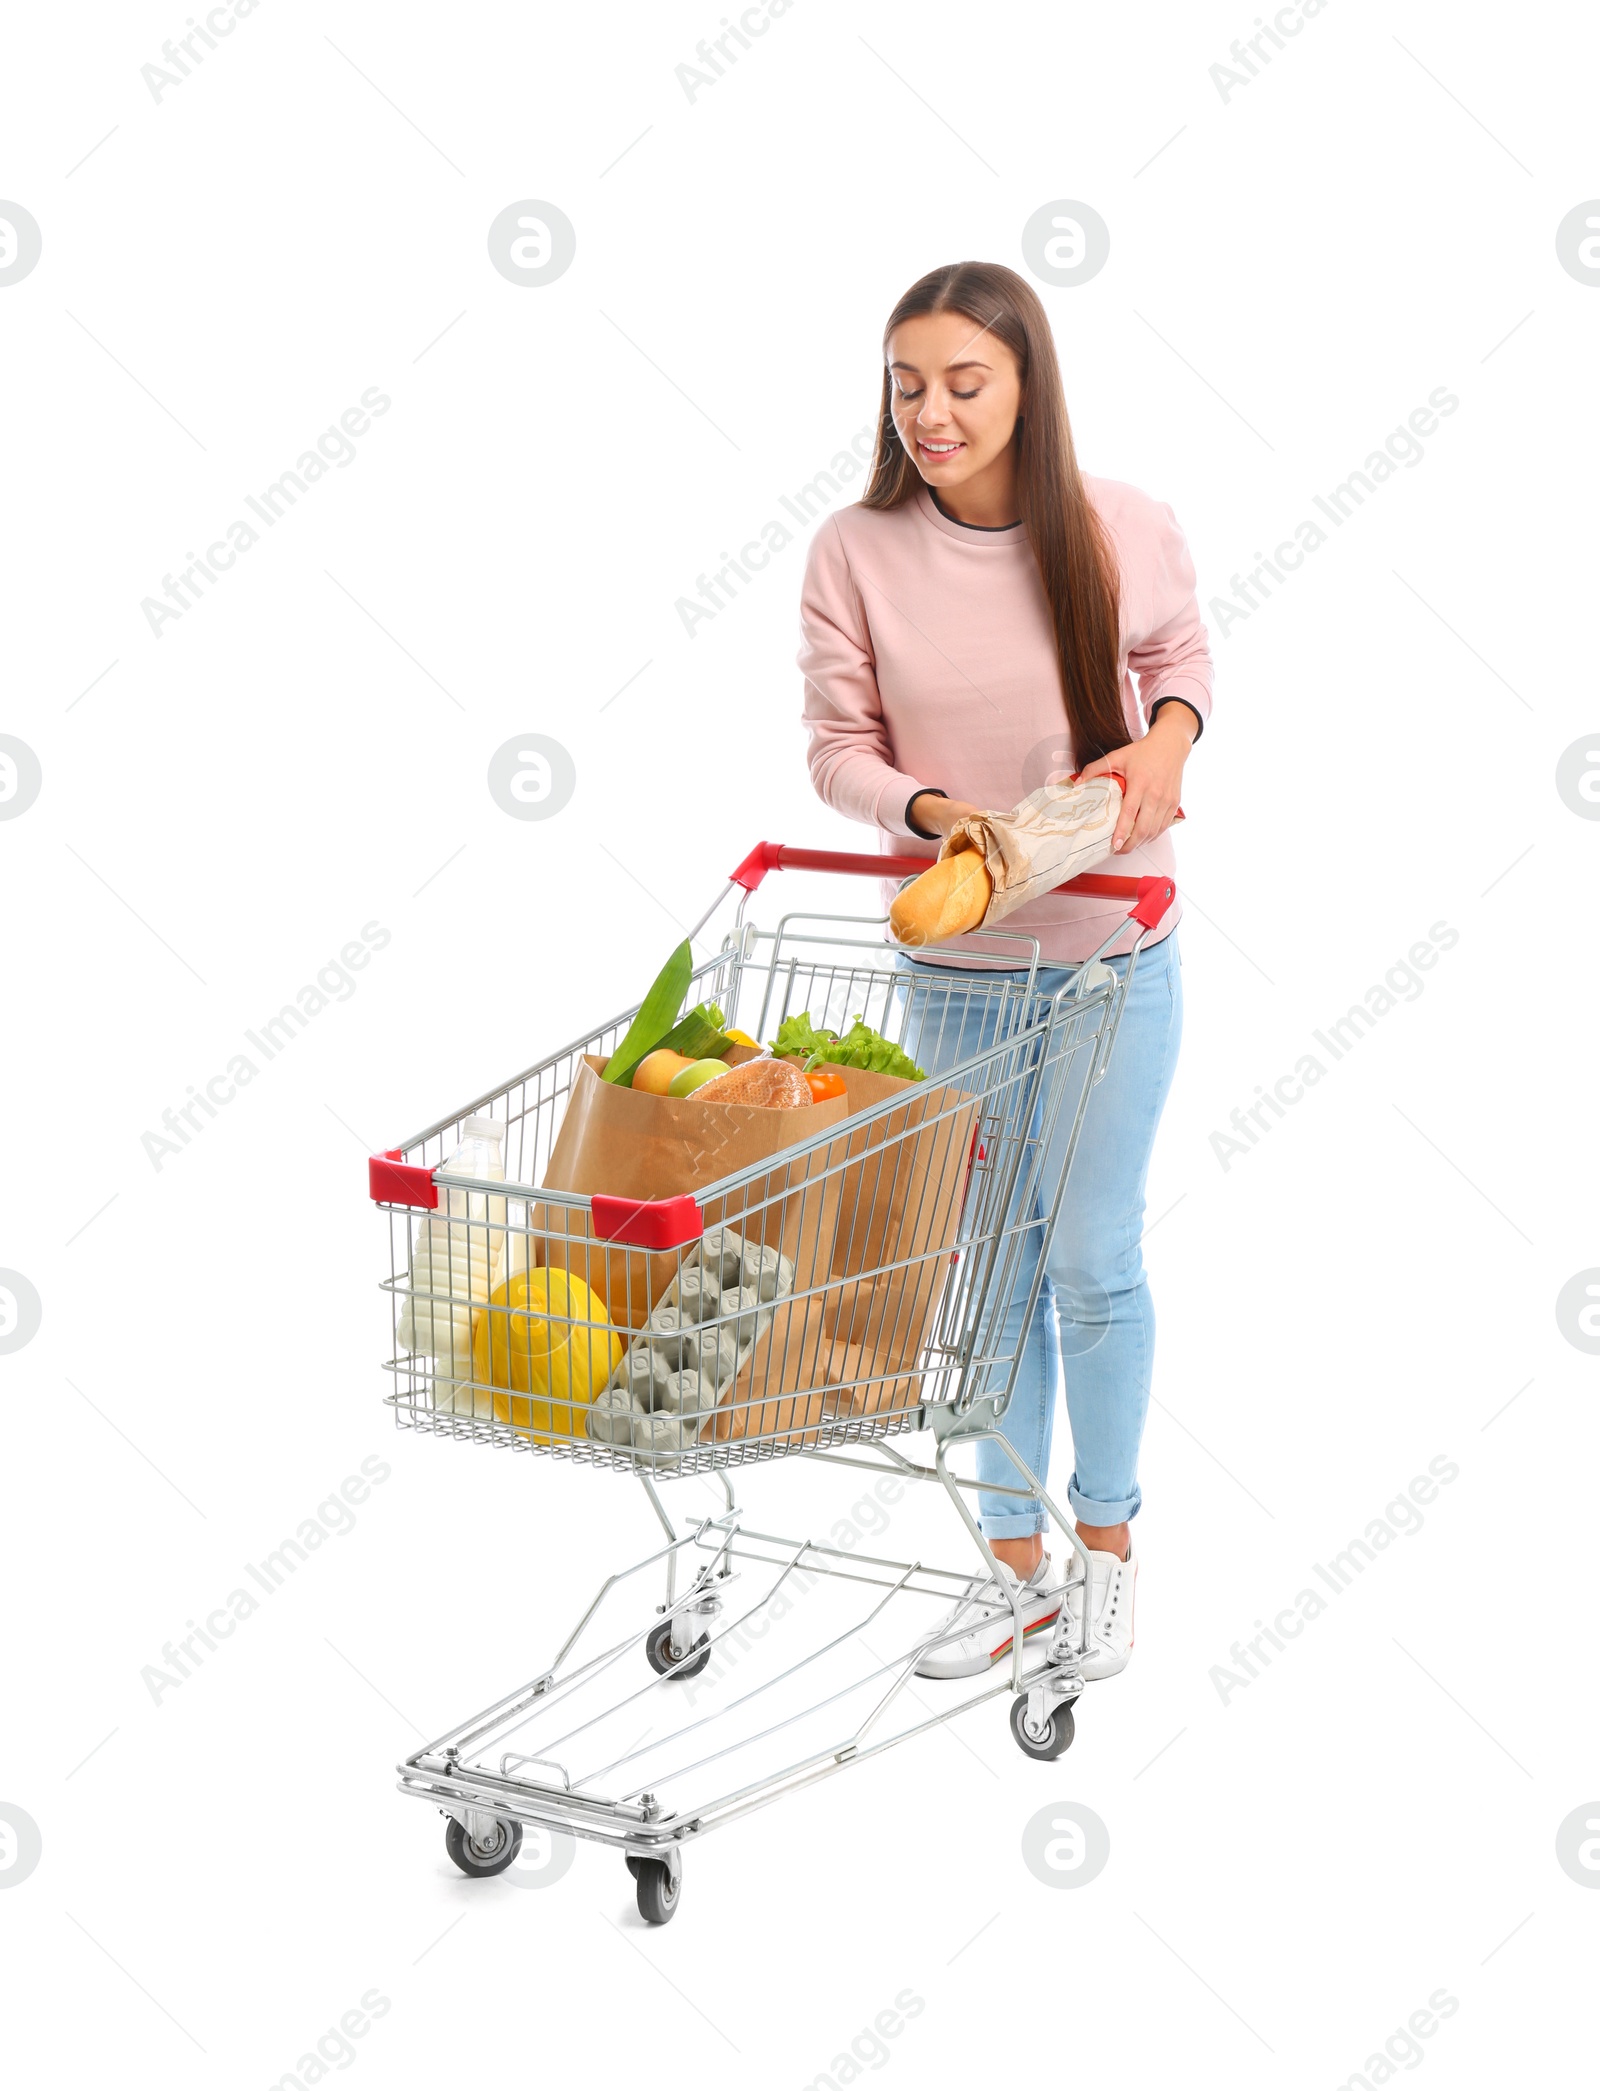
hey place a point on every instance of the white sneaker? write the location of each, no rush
(1110, 1614)
(986, 1612)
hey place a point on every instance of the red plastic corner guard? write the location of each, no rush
(1155, 897)
(390, 1181)
(647, 1223)
(754, 868)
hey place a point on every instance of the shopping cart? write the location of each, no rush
(770, 1662)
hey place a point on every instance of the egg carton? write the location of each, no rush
(689, 1352)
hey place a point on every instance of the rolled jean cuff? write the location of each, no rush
(1013, 1524)
(1092, 1512)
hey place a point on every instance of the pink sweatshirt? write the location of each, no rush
(929, 660)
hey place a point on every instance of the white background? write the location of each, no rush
(1292, 271)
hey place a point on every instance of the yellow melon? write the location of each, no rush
(544, 1336)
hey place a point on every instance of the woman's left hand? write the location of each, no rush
(1153, 768)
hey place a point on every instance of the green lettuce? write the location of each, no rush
(860, 1046)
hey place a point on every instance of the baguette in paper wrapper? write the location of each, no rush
(949, 899)
(1056, 832)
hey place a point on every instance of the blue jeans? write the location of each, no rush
(1093, 1315)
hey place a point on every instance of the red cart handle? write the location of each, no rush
(1151, 896)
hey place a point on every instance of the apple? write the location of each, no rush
(690, 1076)
(657, 1069)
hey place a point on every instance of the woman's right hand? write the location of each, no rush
(942, 814)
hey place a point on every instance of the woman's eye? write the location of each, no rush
(904, 394)
(966, 395)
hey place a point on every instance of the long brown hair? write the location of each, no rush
(1075, 559)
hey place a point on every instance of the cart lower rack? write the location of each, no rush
(819, 1301)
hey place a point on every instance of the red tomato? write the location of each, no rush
(825, 1082)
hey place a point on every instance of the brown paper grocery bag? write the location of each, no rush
(782, 1394)
(630, 1145)
(850, 1347)
(899, 1215)
(801, 1377)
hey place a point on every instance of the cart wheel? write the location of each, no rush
(1056, 1737)
(478, 1861)
(659, 1649)
(656, 1891)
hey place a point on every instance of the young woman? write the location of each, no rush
(972, 627)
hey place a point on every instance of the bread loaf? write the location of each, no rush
(950, 898)
(772, 1084)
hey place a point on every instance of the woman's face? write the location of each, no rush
(956, 395)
